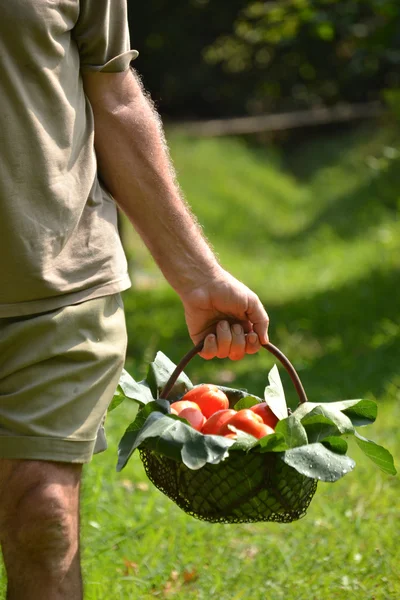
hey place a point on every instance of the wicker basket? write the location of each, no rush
(246, 487)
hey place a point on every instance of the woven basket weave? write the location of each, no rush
(246, 487)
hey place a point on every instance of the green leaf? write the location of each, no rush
(336, 444)
(159, 373)
(275, 442)
(292, 431)
(159, 405)
(127, 444)
(274, 394)
(319, 427)
(271, 443)
(246, 402)
(118, 398)
(318, 462)
(379, 455)
(171, 436)
(362, 413)
(340, 420)
(134, 390)
(244, 441)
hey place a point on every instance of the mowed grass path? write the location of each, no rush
(315, 231)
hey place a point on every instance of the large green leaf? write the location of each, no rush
(118, 398)
(274, 394)
(379, 455)
(362, 413)
(134, 390)
(318, 462)
(272, 443)
(171, 436)
(292, 431)
(336, 444)
(339, 419)
(319, 427)
(244, 441)
(159, 373)
(158, 405)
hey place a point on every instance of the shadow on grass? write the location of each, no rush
(354, 332)
(345, 342)
(349, 215)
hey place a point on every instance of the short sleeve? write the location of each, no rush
(102, 35)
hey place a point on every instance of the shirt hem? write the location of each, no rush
(33, 307)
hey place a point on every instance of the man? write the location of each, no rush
(65, 74)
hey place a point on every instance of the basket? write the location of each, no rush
(246, 487)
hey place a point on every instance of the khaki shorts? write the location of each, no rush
(58, 374)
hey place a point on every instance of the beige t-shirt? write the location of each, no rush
(59, 242)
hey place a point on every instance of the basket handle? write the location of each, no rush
(270, 347)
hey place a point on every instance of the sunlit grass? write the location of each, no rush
(315, 231)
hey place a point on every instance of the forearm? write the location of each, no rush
(135, 166)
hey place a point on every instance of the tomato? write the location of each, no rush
(208, 397)
(182, 404)
(231, 435)
(247, 421)
(264, 411)
(194, 416)
(265, 430)
(215, 422)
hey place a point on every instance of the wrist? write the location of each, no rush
(196, 273)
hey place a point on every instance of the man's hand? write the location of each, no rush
(228, 316)
(135, 167)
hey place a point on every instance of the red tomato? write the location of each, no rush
(215, 422)
(265, 430)
(247, 421)
(208, 397)
(194, 416)
(181, 404)
(264, 411)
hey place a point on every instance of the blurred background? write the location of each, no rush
(203, 58)
(282, 120)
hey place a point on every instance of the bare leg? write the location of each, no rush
(39, 529)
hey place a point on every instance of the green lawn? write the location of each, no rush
(315, 231)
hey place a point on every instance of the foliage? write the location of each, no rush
(155, 428)
(171, 39)
(317, 235)
(201, 58)
(305, 235)
(300, 53)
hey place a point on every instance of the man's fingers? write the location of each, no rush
(224, 339)
(229, 342)
(257, 314)
(210, 347)
(218, 345)
(238, 345)
(252, 343)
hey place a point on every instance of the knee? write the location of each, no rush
(44, 523)
(41, 520)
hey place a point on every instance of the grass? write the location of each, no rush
(315, 231)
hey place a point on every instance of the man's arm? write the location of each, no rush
(135, 166)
